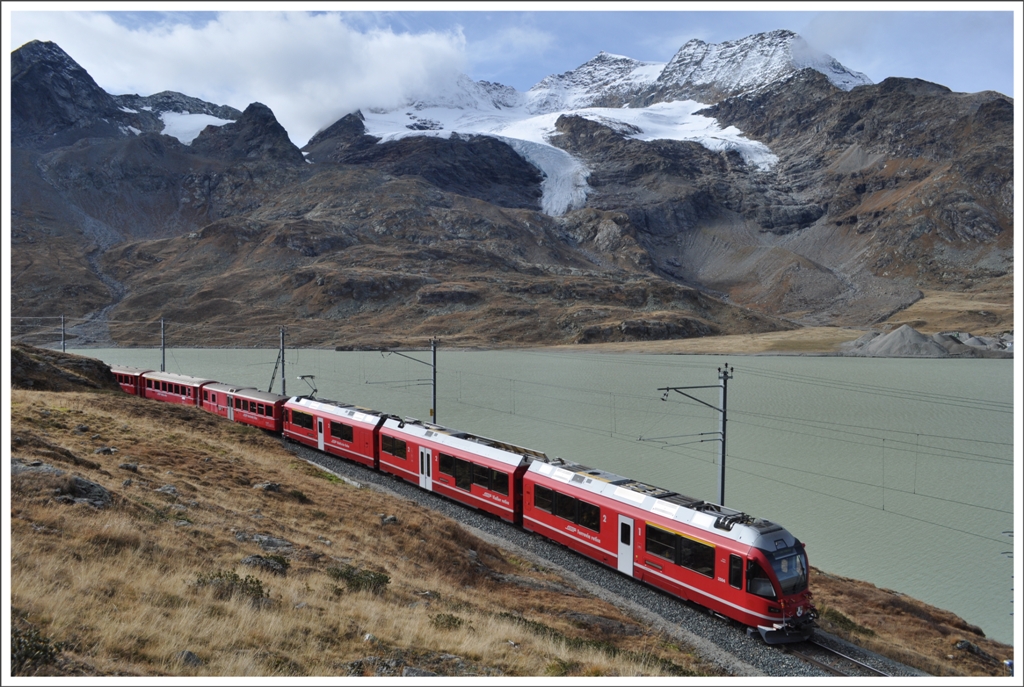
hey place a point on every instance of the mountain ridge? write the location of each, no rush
(787, 200)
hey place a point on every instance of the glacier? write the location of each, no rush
(565, 178)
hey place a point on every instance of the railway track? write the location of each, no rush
(832, 661)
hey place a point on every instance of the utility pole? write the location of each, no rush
(282, 363)
(724, 375)
(63, 346)
(163, 357)
(433, 379)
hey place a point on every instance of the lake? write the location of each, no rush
(898, 472)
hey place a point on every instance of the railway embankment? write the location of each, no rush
(149, 539)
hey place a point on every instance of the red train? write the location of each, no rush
(738, 566)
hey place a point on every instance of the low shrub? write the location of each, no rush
(30, 650)
(446, 621)
(226, 584)
(358, 580)
(843, 623)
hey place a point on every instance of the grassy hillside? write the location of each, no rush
(126, 588)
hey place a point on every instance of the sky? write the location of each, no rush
(314, 65)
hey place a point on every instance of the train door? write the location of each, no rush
(626, 545)
(425, 480)
(320, 433)
(231, 407)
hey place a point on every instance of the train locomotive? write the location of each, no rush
(735, 565)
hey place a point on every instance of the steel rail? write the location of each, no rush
(843, 656)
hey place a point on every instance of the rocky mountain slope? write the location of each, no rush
(808, 196)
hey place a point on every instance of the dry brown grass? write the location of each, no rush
(983, 311)
(805, 340)
(119, 587)
(903, 628)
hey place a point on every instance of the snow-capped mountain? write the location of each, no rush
(605, 81)
(642, 100)
(709, 72)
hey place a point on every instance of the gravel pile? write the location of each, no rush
(721, 642)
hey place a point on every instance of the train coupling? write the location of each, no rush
(788, 631)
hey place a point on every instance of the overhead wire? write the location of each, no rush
(867, 505)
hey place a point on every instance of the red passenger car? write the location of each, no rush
(479, 472)
(130, 378)
(245, 405)
(173, 388)
(343, 430)
(745, 568)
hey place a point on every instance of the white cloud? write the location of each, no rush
(309, 69)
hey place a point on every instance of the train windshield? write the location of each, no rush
(790, 566)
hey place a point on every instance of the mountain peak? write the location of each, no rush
(54, 101)
(706, 72)
(255, 135)
(709, 72)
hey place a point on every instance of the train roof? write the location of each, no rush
(246, 392)
(340, 410)
(180, 379)
(711, 517)
(503, 452)
(127, 370)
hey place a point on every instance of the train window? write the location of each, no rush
(482, 476)
(542, 498)
(206, 395)
(213, 398)
(463, 474)
(268, 411)
(735, 571)
(499, 482)
(395, 447)
(302, 419)
(697, 556)
(340, 430)
(446, 464)
(661, 543)
(790, 569)
(589, 516)
(565, 507)
(624, 531)
(149, 383)
(758, 582)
